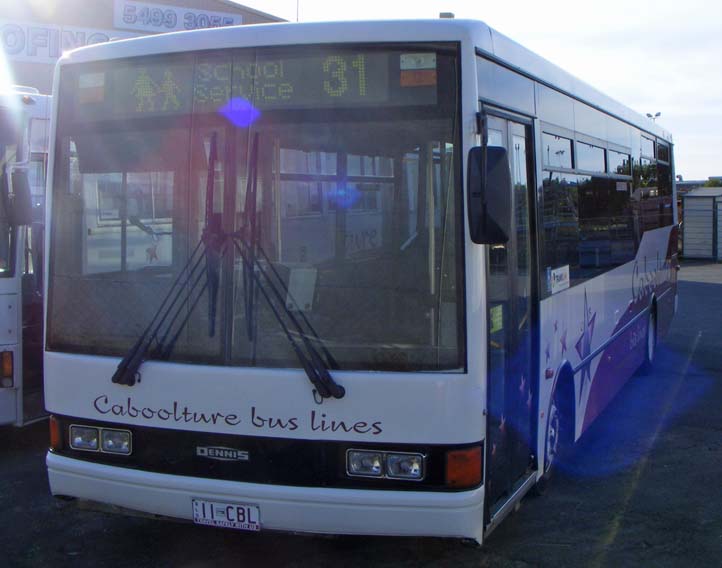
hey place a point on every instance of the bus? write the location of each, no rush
(24, 132)
(400, 266)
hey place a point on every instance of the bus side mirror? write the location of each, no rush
(21, 203)
(489, 192)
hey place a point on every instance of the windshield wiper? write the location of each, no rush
(313, 364)
(246, 242)
(248, 232)
(210, 247)
(212, 238)
(331, 361)
(127, 371)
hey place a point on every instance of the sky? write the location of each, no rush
(653, 56)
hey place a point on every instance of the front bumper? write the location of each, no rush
(283, 508)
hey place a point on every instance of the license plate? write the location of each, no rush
(229, 515)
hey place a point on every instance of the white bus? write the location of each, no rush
(24, 131)
(404, 264)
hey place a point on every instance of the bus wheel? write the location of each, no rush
(650, 343)
(552, 438)
(554, 441)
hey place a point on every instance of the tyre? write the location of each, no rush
(558, 436)
(650, 343)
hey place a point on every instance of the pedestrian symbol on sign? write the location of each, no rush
(145, 91)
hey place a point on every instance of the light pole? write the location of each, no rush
(654, 116)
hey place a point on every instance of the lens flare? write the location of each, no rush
(240, 112)
(6, 75)
(647, 406)
(345, 197)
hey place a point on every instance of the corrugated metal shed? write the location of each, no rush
(702, 224)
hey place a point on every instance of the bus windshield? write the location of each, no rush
(357, 205)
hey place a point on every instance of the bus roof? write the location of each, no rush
(485, 40)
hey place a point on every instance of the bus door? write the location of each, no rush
(511, 392)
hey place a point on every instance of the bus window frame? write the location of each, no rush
(445, 108)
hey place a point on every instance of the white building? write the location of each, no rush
(33, 35)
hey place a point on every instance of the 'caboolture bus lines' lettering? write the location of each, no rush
(181, 414)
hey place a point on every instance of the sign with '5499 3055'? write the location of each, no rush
(151, 17)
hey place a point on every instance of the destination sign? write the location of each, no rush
(346, 79)
(331, 80)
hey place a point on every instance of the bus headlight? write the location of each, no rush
(405, 466)
(84, 438)
(368, 464)
(391, 465)
(115, 441)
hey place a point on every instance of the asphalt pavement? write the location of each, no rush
(642, 488)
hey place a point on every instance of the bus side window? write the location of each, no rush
(29, 286)
(32, 261)
(28, 264)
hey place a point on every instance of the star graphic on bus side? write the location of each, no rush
(584, 345)
(563, 341)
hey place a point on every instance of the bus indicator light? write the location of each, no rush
(56, 439)
(7, 369)
(463, 468)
